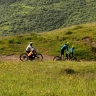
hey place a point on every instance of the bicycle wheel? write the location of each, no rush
(24, 57)
(73, 59)
(57, 58)
(39, 57)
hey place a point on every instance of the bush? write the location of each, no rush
(11, 41)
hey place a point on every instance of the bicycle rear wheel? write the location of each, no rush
(57, 58)
(24, 57)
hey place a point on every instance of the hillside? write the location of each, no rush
(22, 16)
(82, 36)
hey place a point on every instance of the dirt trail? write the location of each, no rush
(16, 58)
(9, 58)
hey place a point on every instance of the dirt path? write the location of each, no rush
(9, 58)
(16, 58)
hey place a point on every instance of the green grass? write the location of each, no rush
(50, 42)
(47, 78)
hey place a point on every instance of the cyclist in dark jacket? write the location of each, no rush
(63, 48)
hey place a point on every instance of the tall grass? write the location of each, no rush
(47, 78)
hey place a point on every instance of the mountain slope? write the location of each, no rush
(18, 16)
(83, 37)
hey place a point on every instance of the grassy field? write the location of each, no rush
(47, 78)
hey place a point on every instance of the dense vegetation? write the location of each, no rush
(18, 16)
(83, 37)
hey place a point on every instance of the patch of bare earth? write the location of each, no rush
(9, 58)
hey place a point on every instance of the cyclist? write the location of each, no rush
(30, 49)
(63, 48)
(67, 55)
(71, 51)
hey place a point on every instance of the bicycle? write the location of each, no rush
(35, 56)
(59, 58)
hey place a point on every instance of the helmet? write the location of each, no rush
(67, 43)
(31, 43)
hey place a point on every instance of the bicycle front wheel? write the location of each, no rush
(39, 57)
(73, 59)
(24, 57)
(57, 58)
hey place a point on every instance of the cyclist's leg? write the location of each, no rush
(67, 56)
(34, 53)
(72, 54)
(62, 54)
(29, 54)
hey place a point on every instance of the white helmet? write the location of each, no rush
(31, 43)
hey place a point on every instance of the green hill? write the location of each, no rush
(22, 16)
(82, 36)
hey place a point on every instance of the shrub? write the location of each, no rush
(11, 41)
